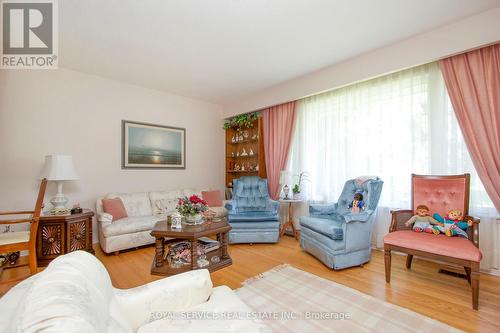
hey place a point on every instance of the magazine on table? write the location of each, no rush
(208, 244)
(179, 253)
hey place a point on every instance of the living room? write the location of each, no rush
(250, 166)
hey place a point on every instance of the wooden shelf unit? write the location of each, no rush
(249, 162)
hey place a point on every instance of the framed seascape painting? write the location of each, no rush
(148, 146)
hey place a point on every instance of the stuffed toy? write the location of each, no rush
(423, 222)
(453, 223)
(357, 204)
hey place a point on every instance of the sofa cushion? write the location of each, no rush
(252, 226)
(456, 247)
(330, 228)
(114, 207)
(165, 206)
(136, 204)
(165, 196)
(253, 216)
(130, 225)
(213, 198)
(219, 211)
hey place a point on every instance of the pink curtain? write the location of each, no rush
(278, 123)
(473, 83)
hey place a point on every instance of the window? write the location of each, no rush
(390, 126)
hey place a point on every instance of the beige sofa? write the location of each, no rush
(74, 294)
(144, 209)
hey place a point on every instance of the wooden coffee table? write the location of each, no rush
(165, 236)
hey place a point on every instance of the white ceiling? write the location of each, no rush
(217, 50)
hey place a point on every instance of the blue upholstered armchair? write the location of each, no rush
(337, 237)
(253, 216)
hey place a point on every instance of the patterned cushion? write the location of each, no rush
(219, 211)
(136, 204)
(164, 196)
(165, 206)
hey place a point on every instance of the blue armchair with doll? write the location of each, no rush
(339, 234)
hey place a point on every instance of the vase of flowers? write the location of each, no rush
(192, 208)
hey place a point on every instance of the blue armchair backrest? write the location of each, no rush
(250, 194)
(370, 189)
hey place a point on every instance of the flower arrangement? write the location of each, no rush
(191, 206)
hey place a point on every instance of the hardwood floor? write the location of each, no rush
(421, 289)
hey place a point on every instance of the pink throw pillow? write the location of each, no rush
(114, 207)
(213, 198)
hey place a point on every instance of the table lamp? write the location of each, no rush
(59, 168)
(284, 180)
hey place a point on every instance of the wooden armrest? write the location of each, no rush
(399, 218)
(15, 221)
(401, 211)
(473, 230)
(18, 213)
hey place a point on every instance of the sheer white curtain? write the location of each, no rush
(390, 126)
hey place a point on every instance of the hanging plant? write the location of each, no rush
(242, 121)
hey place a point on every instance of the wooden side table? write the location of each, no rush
(164, 235)
(61, 234)
(289, 222)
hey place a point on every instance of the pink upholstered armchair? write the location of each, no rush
(440, 194)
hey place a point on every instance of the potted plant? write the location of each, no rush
(297, 187)
(242, 121)
(192, 208)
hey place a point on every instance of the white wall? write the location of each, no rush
(466, 34)
(65, 112)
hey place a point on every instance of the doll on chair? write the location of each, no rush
(453, 223)
(423, 222)
(357, 204)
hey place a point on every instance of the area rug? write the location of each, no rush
(291, 300)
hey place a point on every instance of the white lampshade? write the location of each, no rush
(284, 177)
(59, 167)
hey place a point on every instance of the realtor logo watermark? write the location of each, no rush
(29, 34)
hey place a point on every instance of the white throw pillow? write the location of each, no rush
(165, 206)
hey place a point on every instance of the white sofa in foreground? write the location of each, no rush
(144, 209)
(74, 294)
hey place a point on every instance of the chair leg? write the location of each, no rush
(387, 260)
(33, 263)
(467, 272)
(475, 285)
(409, 258)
